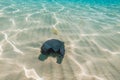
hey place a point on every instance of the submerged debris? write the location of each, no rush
(53, 48)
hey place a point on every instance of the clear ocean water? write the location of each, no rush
(90, 30)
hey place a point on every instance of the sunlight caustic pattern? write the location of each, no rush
(90, 30)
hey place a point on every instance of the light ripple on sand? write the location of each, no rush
(13, 21)
(1, 14)
(31, 73)
(84, 75)
(85, 22)
(104, 49)
(54, 28)
(1, 50)
(14, 47)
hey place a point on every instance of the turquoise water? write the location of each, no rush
(90, 30)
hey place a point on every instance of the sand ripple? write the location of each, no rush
(91, 33)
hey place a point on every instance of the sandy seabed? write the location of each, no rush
(91, 35)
